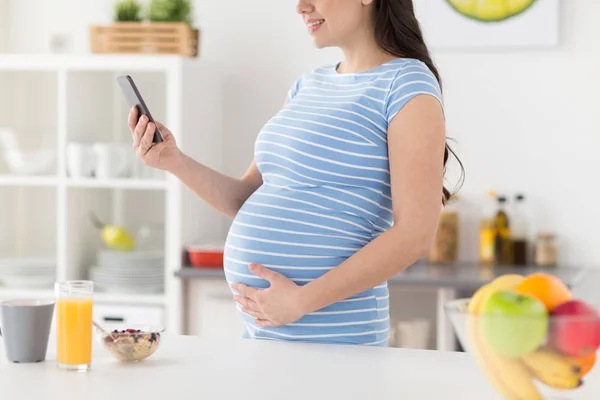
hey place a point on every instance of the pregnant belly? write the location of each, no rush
(303, 242)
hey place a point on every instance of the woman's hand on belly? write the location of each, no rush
(279, 304)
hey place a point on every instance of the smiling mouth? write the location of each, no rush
(314, 26)
(315, 23)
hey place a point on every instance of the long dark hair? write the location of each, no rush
(397, 31)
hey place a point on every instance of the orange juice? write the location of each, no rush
(74, 331)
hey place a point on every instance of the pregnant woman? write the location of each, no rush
(346, 184)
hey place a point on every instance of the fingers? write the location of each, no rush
(264, 273)
(146, 139)
(164, 131)
(255, 314)
(140, 129)
(244, 290)
(266, 323)
(247, 303)
(132, 119)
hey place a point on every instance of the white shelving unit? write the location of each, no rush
(132, 184)
(52, 100)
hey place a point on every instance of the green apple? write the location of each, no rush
(513, 324)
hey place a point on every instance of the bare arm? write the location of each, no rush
(416, 141)
(222, 192)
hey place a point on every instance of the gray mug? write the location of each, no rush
(25, 328)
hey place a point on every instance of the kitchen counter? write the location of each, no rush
(449, 281)
(187, 367)
(457, 276)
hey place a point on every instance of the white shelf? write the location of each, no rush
(23, 180)
(130, 299)
(11, 294)
(89, 62)
(121, 183)
(49, 181)
(99, 298)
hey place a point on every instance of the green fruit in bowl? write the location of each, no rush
(513, 324)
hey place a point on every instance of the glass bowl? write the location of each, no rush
(131, 343)
(529, 356)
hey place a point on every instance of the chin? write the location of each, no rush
(321, 43)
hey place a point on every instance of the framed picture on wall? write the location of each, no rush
(464, 24)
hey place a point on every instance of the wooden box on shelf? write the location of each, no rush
(145, 37)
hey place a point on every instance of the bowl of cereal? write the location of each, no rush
(132, 343)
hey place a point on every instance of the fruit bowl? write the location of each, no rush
(131, 343)
(530, 344)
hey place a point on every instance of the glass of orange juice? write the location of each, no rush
(74, 324)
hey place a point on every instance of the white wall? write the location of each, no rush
(524, 120)
(3, 24)
(528, 121)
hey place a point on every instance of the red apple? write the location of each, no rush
(575, 329)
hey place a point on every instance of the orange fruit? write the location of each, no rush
(547, 288)
(587, 363)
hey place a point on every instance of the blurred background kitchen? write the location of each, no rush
(521, 106)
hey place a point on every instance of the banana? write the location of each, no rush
(507, 281)
(479, 298)
(553, 369)
(508, 376)
(503, 282)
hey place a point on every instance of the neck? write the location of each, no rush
(362, 53)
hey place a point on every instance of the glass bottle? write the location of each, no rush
(445, 246)
(546, 251)
(519, 233)
(486, 230)
(486, 242)
(502, 245)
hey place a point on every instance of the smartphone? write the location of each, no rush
(133, 96)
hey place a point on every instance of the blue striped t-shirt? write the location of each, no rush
(325, 194)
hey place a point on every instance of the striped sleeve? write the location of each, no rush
(411, 81)
(294, 89)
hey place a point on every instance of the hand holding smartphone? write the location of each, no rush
(134, 98)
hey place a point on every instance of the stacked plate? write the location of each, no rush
(135, 272)
(30, 273)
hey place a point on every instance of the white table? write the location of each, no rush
(191, 368)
